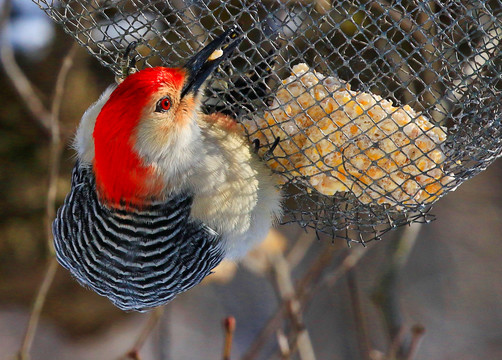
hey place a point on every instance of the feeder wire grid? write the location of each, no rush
(381, 107)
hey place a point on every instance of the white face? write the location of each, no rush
(168, 137)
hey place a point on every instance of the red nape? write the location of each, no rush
(121, 175)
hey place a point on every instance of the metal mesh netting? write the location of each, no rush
(381, 107)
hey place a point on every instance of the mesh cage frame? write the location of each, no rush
(442, 59)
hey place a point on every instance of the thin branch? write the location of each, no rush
(274, 322)
(417, 334)
(54, 161)
(396, 343)
(313, 274)
(38, 304)
(56, 147)
(283, 343)
(151, 323)
(229, 328)
(19, 80)
(350, 261)
(300, 248)
(385, 295)
(164, 335)
(360, 324)
(306, 289)
(299, 336)
(286, 292)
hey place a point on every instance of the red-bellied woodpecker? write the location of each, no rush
(161, 193)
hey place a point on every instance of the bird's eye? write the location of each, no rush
(163, 105)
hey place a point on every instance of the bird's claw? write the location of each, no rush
(128, 62)
(270, 152)
(132, 45)
(256, 144)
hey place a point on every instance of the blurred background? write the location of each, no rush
(444, 277)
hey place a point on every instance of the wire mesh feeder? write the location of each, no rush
(381, 108)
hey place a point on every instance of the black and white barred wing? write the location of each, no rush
(138, 259)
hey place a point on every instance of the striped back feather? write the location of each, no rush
(139, 259)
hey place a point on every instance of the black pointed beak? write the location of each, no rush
(202, 64)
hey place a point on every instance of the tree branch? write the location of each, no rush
(286, 293)
(229, 328)
(385, 295)
(306, 289)
(20, 82)
(151, 323)
(54, 160)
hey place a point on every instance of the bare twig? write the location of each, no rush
(385, 295)
(272, 324)
(151, 323)
(417, 334)
(164, 335)
(56, 147)
(306, 289)
(282, 342)
(229, 328)
(361, 330)
(300, 248)
(348, 263)
(19, 80)
(38, 304)
(396, 343)
(299, 336)
(50, 204)
(312, 275)
(274, 321)
(286, 293)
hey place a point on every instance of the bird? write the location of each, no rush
(160, 191)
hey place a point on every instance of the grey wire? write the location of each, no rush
(441, 58)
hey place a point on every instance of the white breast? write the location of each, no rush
(235, 192)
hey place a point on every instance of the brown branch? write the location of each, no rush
(151, 323)
(385, 295)
(54, 161)
(19, 80)
(350, 261)
(417, 334)
(38, 304)
(286, 293)
(56, 143)
(306, 289)
(300, 248)
(328, 280)
(274, 322)
(283, 344)
(229, 328)
(313, 274)
(396, 344)
(360, 324)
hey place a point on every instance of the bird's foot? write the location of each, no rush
(270, 152)
(128, 62)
